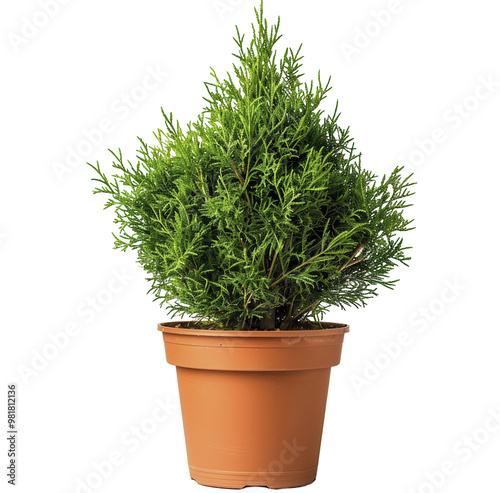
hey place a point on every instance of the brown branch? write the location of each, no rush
(272, 264)
(242, 181)
(268, 321)
(287, 244)
(283, 276)
(307, 309)
(285, 325)
(237, 174)
(354, 259)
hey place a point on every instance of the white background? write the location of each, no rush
(392, 420)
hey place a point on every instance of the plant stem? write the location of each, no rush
(268, 321)
(354, 259)
(241, 180)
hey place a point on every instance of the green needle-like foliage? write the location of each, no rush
(259, 214)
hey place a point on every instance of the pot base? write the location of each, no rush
(253, 428)
(238, 480)
(253, 404)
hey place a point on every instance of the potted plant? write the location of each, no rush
(253, 221)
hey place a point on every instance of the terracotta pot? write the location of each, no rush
(253, 402)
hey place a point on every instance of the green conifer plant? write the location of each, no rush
(258, 215)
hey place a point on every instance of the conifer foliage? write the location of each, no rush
(258, 214)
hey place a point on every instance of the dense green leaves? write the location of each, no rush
(259, 214)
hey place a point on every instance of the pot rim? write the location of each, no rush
(171, 328)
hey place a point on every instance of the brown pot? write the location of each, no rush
(253, 402)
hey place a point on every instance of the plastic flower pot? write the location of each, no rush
(253, 402)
